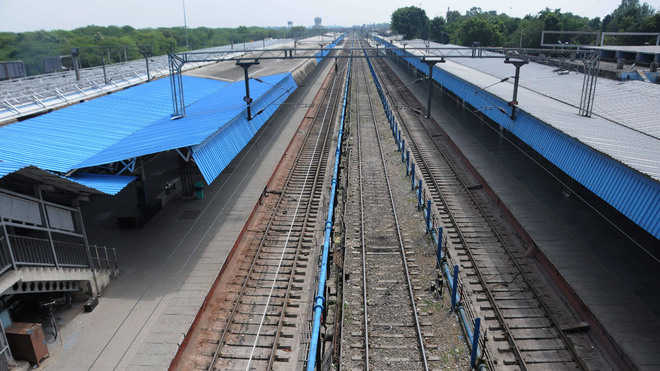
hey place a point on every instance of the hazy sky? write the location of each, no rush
(27, 15)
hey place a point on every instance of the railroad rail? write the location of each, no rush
(260, 323)
(388, 334)
(522, 331)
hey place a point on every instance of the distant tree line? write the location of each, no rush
(116, 43)
(492, 29)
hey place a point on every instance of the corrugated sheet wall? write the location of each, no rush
(633, 194)
(216, 152)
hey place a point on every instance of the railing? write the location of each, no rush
(27, 251)
(38, 233)
(104, 257)
(5, 352)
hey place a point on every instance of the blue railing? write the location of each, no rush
(436, 234)
(319, 299)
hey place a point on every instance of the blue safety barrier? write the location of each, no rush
(454, 288)
(452, 280)
(428, 216)
(439, 244)
(475, 342)
(319, 300)
(412, 175)
(407, 162)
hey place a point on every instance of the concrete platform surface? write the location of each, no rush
(168, 266)
(616, 279)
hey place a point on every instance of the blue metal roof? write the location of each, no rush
(216, 152)
(202, 119)
(634, 194)
(108, 184)
(136, 122)
(7, 168)
(63, 139)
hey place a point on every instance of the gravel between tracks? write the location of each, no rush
(443, 337)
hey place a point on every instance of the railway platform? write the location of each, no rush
(170, 264)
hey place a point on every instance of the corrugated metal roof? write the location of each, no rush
(631, 147)
(79, 182)
(7, 168)
(108, 184)
(630, 103)
(136, 122)
(203, 118)
(216, 152)
(592, 151)
(63, 139)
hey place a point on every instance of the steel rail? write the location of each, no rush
(425, 168)
(269, 224)
(497, 235)
(349, 160)
(286, 242)
(362, 238)
(402, 250)
(321, 154)
(513, 259)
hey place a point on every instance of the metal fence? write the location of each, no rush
(38, 233)
(24, 251)
(5, 352)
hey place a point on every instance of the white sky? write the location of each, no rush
(28, 15)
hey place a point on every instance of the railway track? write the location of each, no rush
(522, 331)
(261, 320)
(380, 326)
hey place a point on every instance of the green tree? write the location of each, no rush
(629, 16)
(437, 30)
(297, 31)
(411, 22)
(651, 24)
(480, 29)
(453, 16)
(95, 42)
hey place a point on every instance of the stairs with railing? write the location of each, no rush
(44, 248)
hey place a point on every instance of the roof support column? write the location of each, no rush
(247, 99)
(11, 251)
(46, 222)
(88, 251)
(514, 102)
(430, 63)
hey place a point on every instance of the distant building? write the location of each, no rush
(52, 64)
(12, 70)
(317, 22)
(289, 24)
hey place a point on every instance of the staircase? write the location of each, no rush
(44, 248)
